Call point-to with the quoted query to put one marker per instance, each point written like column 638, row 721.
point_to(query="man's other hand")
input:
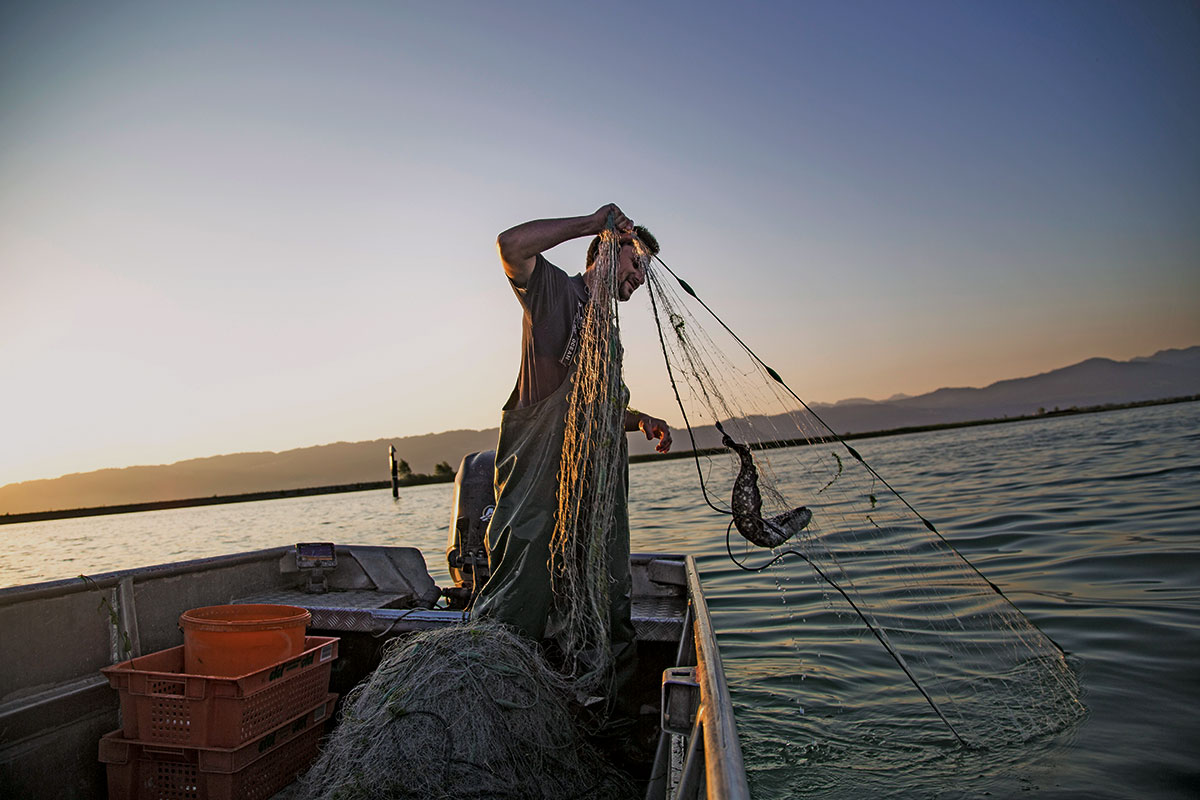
column 655, row 428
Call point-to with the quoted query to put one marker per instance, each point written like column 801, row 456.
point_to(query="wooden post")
column 395, row 479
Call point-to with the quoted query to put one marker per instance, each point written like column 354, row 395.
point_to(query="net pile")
column 591, row 471
column 470, row 711
column 982, row 666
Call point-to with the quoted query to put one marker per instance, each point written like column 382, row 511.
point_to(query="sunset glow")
column 265, row 226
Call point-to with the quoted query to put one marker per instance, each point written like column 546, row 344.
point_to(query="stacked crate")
column 199, row 737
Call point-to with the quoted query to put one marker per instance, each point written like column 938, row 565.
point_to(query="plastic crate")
column 254, row 771
column 160, row 703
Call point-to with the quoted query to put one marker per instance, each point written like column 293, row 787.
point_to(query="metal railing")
column 696, row 692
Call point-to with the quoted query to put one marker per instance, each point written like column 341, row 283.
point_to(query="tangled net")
column 982, row 666
column 469, row 711
column 592, row 468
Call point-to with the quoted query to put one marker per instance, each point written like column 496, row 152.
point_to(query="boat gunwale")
column 724, row 766
column 61, row 587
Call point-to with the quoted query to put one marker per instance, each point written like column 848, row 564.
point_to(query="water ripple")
column 1090, row 524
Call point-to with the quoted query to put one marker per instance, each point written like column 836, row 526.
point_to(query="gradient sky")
column 232, row 226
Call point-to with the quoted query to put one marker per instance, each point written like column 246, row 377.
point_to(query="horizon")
column 249, row 229
column 822, row 404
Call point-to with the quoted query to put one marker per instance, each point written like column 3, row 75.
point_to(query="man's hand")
column 653, row 427
column 622, row 223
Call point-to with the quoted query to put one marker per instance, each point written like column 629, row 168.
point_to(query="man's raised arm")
column 519, row 246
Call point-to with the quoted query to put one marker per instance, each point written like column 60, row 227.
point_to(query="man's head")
column 632, row 260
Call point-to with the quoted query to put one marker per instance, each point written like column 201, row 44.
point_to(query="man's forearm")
column 526, row 240
column 519, row 246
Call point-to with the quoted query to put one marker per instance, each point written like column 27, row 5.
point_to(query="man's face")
column 631, row 269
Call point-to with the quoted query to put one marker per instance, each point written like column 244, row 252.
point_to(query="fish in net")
column 467, row 711
column 746, row 504
column 791, row 485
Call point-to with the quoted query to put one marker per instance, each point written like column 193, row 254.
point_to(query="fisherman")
column 532, row 426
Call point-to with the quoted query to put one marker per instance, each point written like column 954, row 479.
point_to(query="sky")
column 241, row 226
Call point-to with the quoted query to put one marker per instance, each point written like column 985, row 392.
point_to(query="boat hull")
column 55, row 706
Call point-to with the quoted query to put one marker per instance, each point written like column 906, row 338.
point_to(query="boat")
column 55, row 705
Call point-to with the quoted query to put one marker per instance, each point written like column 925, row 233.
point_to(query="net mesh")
column 475, row 710
column 466, row 711
column 982, row 666
column 591, row 471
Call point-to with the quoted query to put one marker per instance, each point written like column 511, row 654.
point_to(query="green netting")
column 469, row 711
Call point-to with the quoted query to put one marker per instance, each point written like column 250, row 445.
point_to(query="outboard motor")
column 466, row 549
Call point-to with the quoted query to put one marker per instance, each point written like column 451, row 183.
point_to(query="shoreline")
column 938, row 426
column 248, row 497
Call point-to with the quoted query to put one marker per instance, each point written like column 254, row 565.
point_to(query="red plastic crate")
column 162, row 704
column 254, row 771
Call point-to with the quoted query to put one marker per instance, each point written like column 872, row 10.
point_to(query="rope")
column 990, row 674
column 679, row 401
column 853, row 453
column 879, row 634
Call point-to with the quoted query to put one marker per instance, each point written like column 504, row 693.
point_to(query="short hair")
column 640, row 231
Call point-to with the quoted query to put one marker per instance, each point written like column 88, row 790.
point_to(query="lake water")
column 1090, row 524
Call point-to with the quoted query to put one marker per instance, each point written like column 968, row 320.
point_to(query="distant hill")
column 323, row 465
column 1097, row 381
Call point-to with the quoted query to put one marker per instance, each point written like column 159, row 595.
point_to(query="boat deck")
column 55, row 705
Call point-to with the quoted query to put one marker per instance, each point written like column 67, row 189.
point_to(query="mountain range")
column 1096, row 381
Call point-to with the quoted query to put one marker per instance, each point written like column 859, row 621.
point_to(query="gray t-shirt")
column 552, row 301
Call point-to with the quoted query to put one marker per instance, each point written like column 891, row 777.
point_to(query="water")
column 1091, row 524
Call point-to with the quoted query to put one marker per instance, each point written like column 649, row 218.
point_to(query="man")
column 519, row 591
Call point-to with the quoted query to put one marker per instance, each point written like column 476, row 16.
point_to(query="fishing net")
column 474, row 711
column 469, row 711
column 590, row 479
column 792, row 486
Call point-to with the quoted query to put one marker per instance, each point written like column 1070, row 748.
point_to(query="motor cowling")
column 466, row 547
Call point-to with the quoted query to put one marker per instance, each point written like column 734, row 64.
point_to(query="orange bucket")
column 229, row 641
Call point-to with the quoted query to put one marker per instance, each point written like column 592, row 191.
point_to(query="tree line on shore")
column 442, row 472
